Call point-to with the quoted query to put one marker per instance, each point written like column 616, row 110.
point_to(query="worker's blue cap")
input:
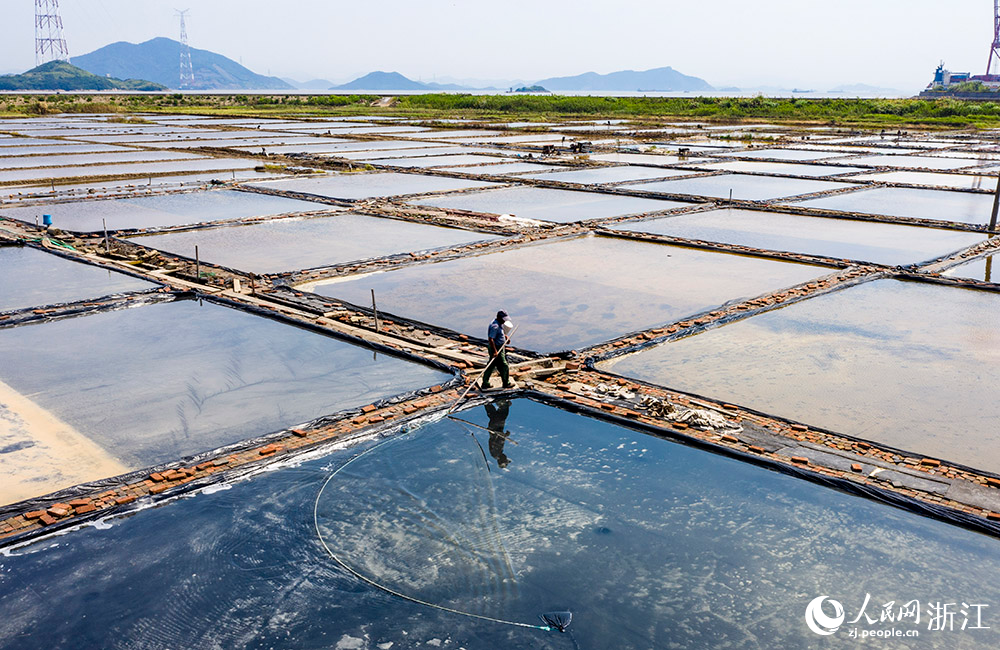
column 501, row 315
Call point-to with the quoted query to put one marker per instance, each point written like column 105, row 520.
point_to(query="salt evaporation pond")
column 959, row 181
column 293, row 244
column 648, row 543
column 646, row 159
column 743, row 186
column 161, row 210
column 174, row 166
column 56, row 148
column 365, row 186
column 570, row 294
column 790, row 169
column 784, row 154
column 964, row 207
column 437, row 161
column 28, row 162
column 546, row 204
column 34, row 278
column 986, row 269
column 504, row 168
column 618, row 174
column 156, row 383
column 881, row 243
column 910, row 365
column 914, row 162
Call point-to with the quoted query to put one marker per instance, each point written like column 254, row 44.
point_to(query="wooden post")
column 197, row 265
column 996, row 204
column 375, row 310
column 107, row 244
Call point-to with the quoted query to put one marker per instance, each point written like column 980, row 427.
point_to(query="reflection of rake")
column 505, row 434
column 481, row 372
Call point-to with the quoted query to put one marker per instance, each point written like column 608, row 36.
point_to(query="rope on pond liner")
column 388, row 590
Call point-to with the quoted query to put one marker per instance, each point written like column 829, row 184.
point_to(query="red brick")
column 270, row 449
column 728, row 438
column 993, row 515
column 856, row 467
column 930, row 462
column 376, row 419
column 46, row 520
column 76, row 503
column 436, row 389
column 219, row 462
column 82, row 510
column 359, row 420
column 680, row 425
column 299, row 432
column 34, row 514
column 156, row 489
column 799, row 427
column 572, row 365
column 731, row 407
column 757, row 450
column 992, row 482
column 204, row 466
column 801, row 460
column 57, row 511
column 409, row 410
column 123, row 500
column 368, row 409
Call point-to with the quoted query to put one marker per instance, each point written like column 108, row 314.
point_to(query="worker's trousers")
column 499, row 363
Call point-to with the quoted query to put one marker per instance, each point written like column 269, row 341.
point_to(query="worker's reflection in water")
column 497, row 412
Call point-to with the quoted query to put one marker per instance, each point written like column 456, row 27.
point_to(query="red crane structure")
column 995, row 48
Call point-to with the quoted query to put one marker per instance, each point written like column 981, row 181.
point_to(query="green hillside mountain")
column 60, row 75
column 657, row 79
column 159, row 60
column 380, row 80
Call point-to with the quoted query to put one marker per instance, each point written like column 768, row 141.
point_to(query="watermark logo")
column 819, row 622
column 895, row 618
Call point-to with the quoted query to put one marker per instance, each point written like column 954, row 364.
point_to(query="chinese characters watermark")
column 894, row 620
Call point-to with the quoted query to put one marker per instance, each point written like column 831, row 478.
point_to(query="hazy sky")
column 800, row 43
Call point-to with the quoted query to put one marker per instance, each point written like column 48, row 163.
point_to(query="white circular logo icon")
column 819, row 622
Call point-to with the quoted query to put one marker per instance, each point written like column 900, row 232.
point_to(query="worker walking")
column 498, row 338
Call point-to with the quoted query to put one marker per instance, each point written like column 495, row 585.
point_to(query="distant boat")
column 799, row 90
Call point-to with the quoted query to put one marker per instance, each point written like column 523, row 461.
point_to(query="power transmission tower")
column 187, row 72
column 49, row 42
column 995, row 48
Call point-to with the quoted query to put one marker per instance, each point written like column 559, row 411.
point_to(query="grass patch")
column 944, row 113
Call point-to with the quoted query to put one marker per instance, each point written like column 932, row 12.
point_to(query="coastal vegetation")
column 869, row 113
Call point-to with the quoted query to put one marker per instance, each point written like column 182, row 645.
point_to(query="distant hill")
column 393, row 81
column 60, row 75
column 652, row 80
column 159, row 60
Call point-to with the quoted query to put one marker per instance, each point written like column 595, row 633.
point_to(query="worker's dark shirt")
column 496, row 334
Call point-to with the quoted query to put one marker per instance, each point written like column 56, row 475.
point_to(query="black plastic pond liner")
column 63, row 310
column 267, row 313
column 888, row 497
column 85, row 489
column 317, row 304
column 590, row 362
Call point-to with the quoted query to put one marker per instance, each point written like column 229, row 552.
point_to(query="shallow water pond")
column 648, row 543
